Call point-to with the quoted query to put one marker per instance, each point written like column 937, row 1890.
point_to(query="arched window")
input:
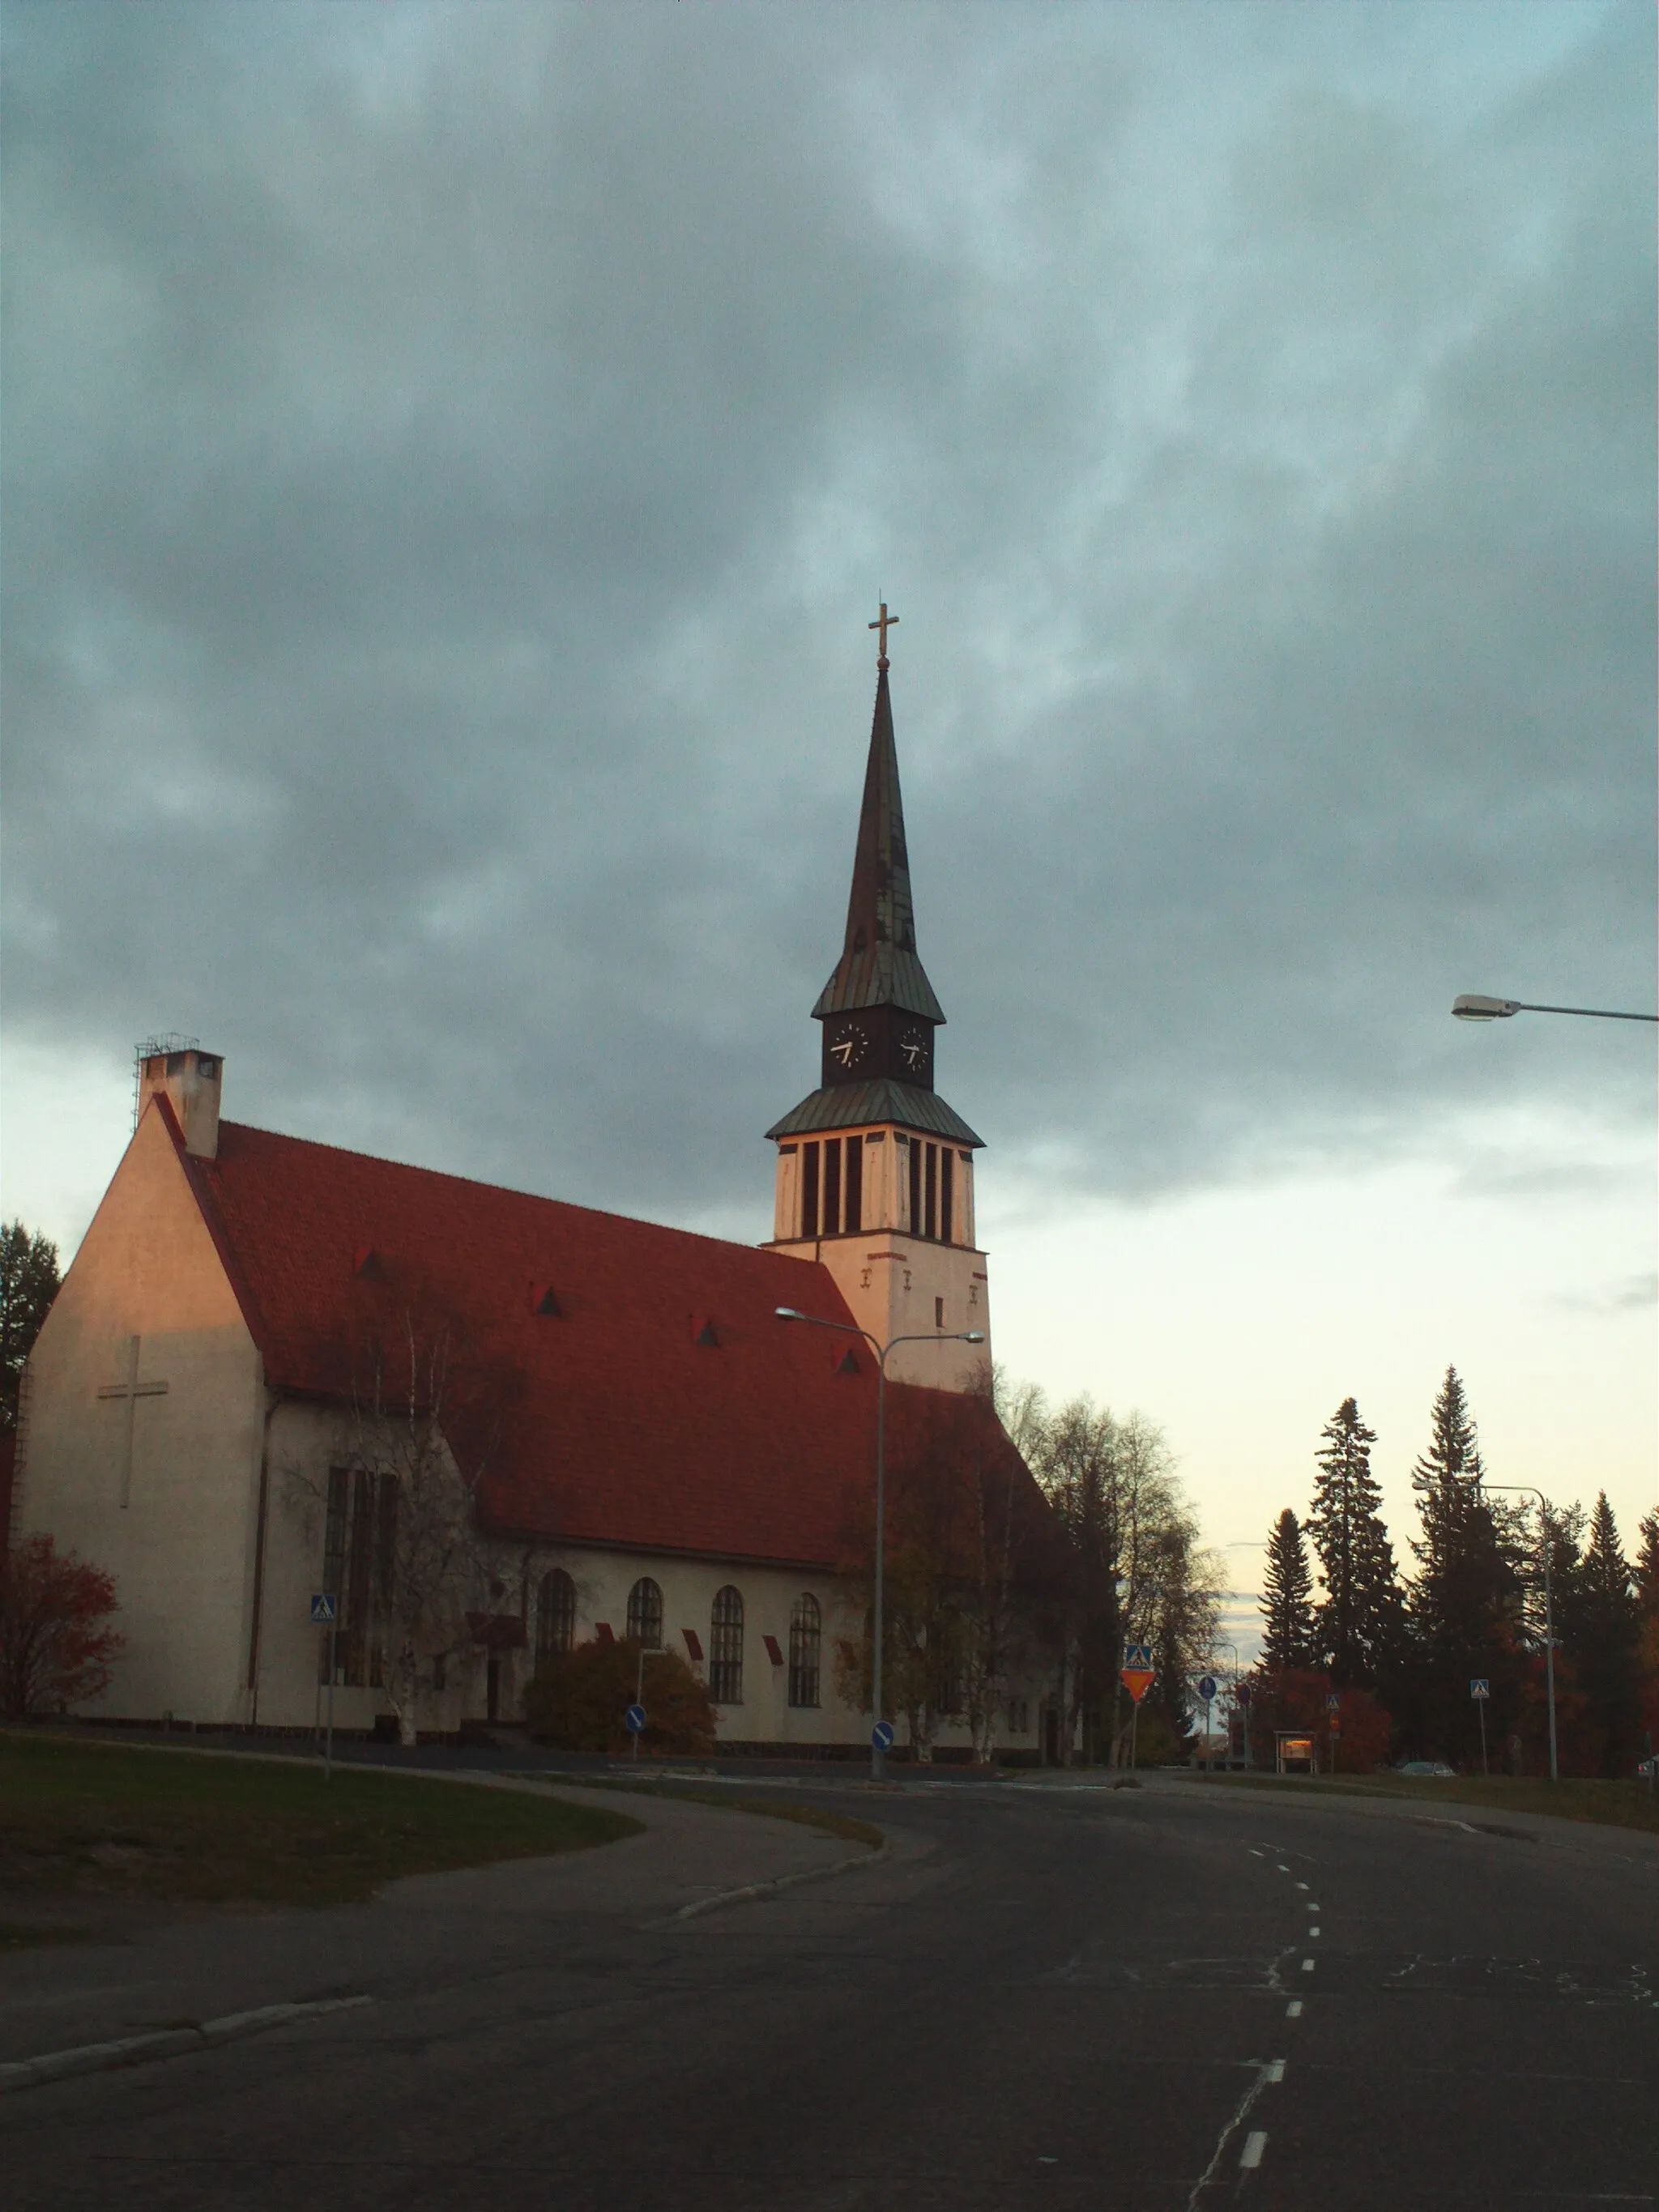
column 726, row 1648
column 806, row 1638
column 645, row 1614
column 556, row 1615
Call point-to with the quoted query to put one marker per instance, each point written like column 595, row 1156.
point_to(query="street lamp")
column 1549, row 1609
column 1222, row 1643
column 881, row 1350
column 1471, row 1006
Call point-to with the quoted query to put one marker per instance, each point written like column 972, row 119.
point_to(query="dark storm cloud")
column 451, row 453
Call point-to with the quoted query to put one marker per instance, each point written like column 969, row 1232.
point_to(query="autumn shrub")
column 56, row 1647
column 577, row 1701
column 1294, row 1697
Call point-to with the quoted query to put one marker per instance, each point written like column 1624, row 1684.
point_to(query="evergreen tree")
column 29, row 1284
column 1358, row 1623
column 1647, row 1600
column 1287, row 1598
column 1601, row 1629
column 1466, row 1603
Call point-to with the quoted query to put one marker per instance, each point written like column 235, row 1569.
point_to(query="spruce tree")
column 1358, row 1621
column 1466, row 1601
column 1605, row 1623
column 1287, row 1598
column 1647, row 1601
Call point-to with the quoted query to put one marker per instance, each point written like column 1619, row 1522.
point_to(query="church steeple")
column 878, row 964
column 875, row 1172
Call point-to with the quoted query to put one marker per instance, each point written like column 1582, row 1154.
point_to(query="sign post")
column 326, row 1613
column 1136, row 1675
column 1241, row 1699
column 1207, row 1689
column 1481, row 1690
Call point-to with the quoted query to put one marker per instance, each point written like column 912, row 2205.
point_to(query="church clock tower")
column 875, row 1172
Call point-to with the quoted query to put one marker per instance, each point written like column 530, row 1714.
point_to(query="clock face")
column 913, row 1045
column 850, row 1046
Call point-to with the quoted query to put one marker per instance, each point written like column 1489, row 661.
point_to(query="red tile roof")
column 620, row 1424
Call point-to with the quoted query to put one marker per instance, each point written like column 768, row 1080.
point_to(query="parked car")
column 1426, row 1767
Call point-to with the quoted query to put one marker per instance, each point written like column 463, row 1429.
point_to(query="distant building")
column 655, row 1453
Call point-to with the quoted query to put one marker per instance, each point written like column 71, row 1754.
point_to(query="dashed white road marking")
column 1302, row 1884
column 1293, row 2010
column 1284, row 1870
column 1255, row 2144
column 1307, row 1965
column 1266, row 2070
column 1312, row 1932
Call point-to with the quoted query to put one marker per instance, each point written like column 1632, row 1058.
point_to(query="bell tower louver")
column 875, row 1171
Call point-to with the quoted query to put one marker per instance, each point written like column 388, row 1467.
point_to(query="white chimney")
column 191, row 1078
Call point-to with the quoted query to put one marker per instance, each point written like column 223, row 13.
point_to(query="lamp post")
column 1526, row 1490
column 1473, row 1006
column 1223, row 1644
column 881, row 1350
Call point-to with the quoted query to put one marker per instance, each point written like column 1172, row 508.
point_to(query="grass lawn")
column 103, row 1821
column 1616, row 1804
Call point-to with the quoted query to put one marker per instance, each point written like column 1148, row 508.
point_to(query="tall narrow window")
column 832, row 1186
column 931, row 1202
column 946, row 1192
column 915, row 1188
column 645, row 1614
column 805, row 1641
column 854, row 1198
column 726, row 1648
column 556, row 1615
column 809, row 1190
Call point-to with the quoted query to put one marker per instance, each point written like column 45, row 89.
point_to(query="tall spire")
column 879, row 965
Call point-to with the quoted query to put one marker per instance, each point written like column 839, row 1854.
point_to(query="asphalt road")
column 1175, row 1997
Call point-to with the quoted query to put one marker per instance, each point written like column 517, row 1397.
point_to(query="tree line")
column 1403, row 1648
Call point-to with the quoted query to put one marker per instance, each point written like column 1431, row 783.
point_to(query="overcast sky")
column 452, row 454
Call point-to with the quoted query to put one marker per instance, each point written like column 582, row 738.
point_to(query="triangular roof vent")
column 368, row 1265
column 544, row 1301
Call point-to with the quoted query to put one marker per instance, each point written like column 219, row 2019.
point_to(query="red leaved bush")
column 1294, row 1697
column 55, row 1649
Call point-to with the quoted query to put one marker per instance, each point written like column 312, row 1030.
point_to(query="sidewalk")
column 178, row 1966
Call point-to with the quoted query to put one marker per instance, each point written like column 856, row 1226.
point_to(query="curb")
column 165, row 2043
column 751, row 1890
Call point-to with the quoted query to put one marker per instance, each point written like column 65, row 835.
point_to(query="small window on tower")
column 931, row 1202
column 915, row 1190
column 809, row 1190
column 938, row 1313
column 854, row 1210
column 832, row 1186
column 946, row 1191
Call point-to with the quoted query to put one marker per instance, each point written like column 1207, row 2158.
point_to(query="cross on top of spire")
column 884, row 622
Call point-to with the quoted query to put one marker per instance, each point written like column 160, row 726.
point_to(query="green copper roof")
column 879, row 965
column 855, row 1105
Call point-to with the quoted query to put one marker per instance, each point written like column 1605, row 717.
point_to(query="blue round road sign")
column 881, row 1736
column 1207, row 1689
column 633, row 1720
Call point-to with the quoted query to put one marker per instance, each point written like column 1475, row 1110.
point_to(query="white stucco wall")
column 181, row 1548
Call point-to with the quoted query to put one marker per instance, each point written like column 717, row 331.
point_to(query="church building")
column 263, row 1340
